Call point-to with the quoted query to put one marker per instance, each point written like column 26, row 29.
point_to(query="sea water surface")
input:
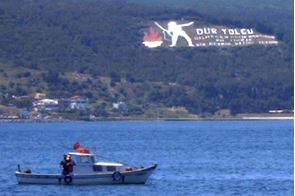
column 194, row 158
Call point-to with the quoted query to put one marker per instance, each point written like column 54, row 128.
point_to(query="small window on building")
column 111, row 168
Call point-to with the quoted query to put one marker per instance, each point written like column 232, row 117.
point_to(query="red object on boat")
column 129, row 169
column 76, row 145
column 84, row 150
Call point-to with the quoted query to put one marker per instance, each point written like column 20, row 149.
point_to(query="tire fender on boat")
column 68, row 179
column 117, row 176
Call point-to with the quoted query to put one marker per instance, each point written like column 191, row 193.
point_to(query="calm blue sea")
column 194, row 158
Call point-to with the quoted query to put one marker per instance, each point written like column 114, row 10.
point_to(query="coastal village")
column 46, row 109
column 43, row 107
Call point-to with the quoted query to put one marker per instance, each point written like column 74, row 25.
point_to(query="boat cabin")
column 86, row 164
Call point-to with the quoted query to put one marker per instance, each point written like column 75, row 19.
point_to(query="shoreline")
column 242, row 118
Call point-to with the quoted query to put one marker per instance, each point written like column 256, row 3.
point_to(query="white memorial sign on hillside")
column 182, row 33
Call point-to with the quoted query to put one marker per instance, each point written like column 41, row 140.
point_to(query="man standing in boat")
column 67, row 165
column 63, row 165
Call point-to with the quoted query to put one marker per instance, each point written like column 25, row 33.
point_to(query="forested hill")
column 44, row 41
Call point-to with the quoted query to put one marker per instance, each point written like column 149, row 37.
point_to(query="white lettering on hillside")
column 183, row 33
column 221, row 36
column 224, row 31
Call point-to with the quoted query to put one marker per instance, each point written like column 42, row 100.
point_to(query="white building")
column 121, row 106
column 79, row 103
column 46, row 104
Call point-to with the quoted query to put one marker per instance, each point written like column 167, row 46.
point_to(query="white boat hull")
column 139, row 176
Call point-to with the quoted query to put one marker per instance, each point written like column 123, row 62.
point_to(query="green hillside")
column 94, row 49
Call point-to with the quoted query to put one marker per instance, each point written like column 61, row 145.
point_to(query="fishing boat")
column 88, row 171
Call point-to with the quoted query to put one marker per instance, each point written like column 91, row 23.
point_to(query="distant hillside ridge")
column 45, row 43
column 287, row 5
